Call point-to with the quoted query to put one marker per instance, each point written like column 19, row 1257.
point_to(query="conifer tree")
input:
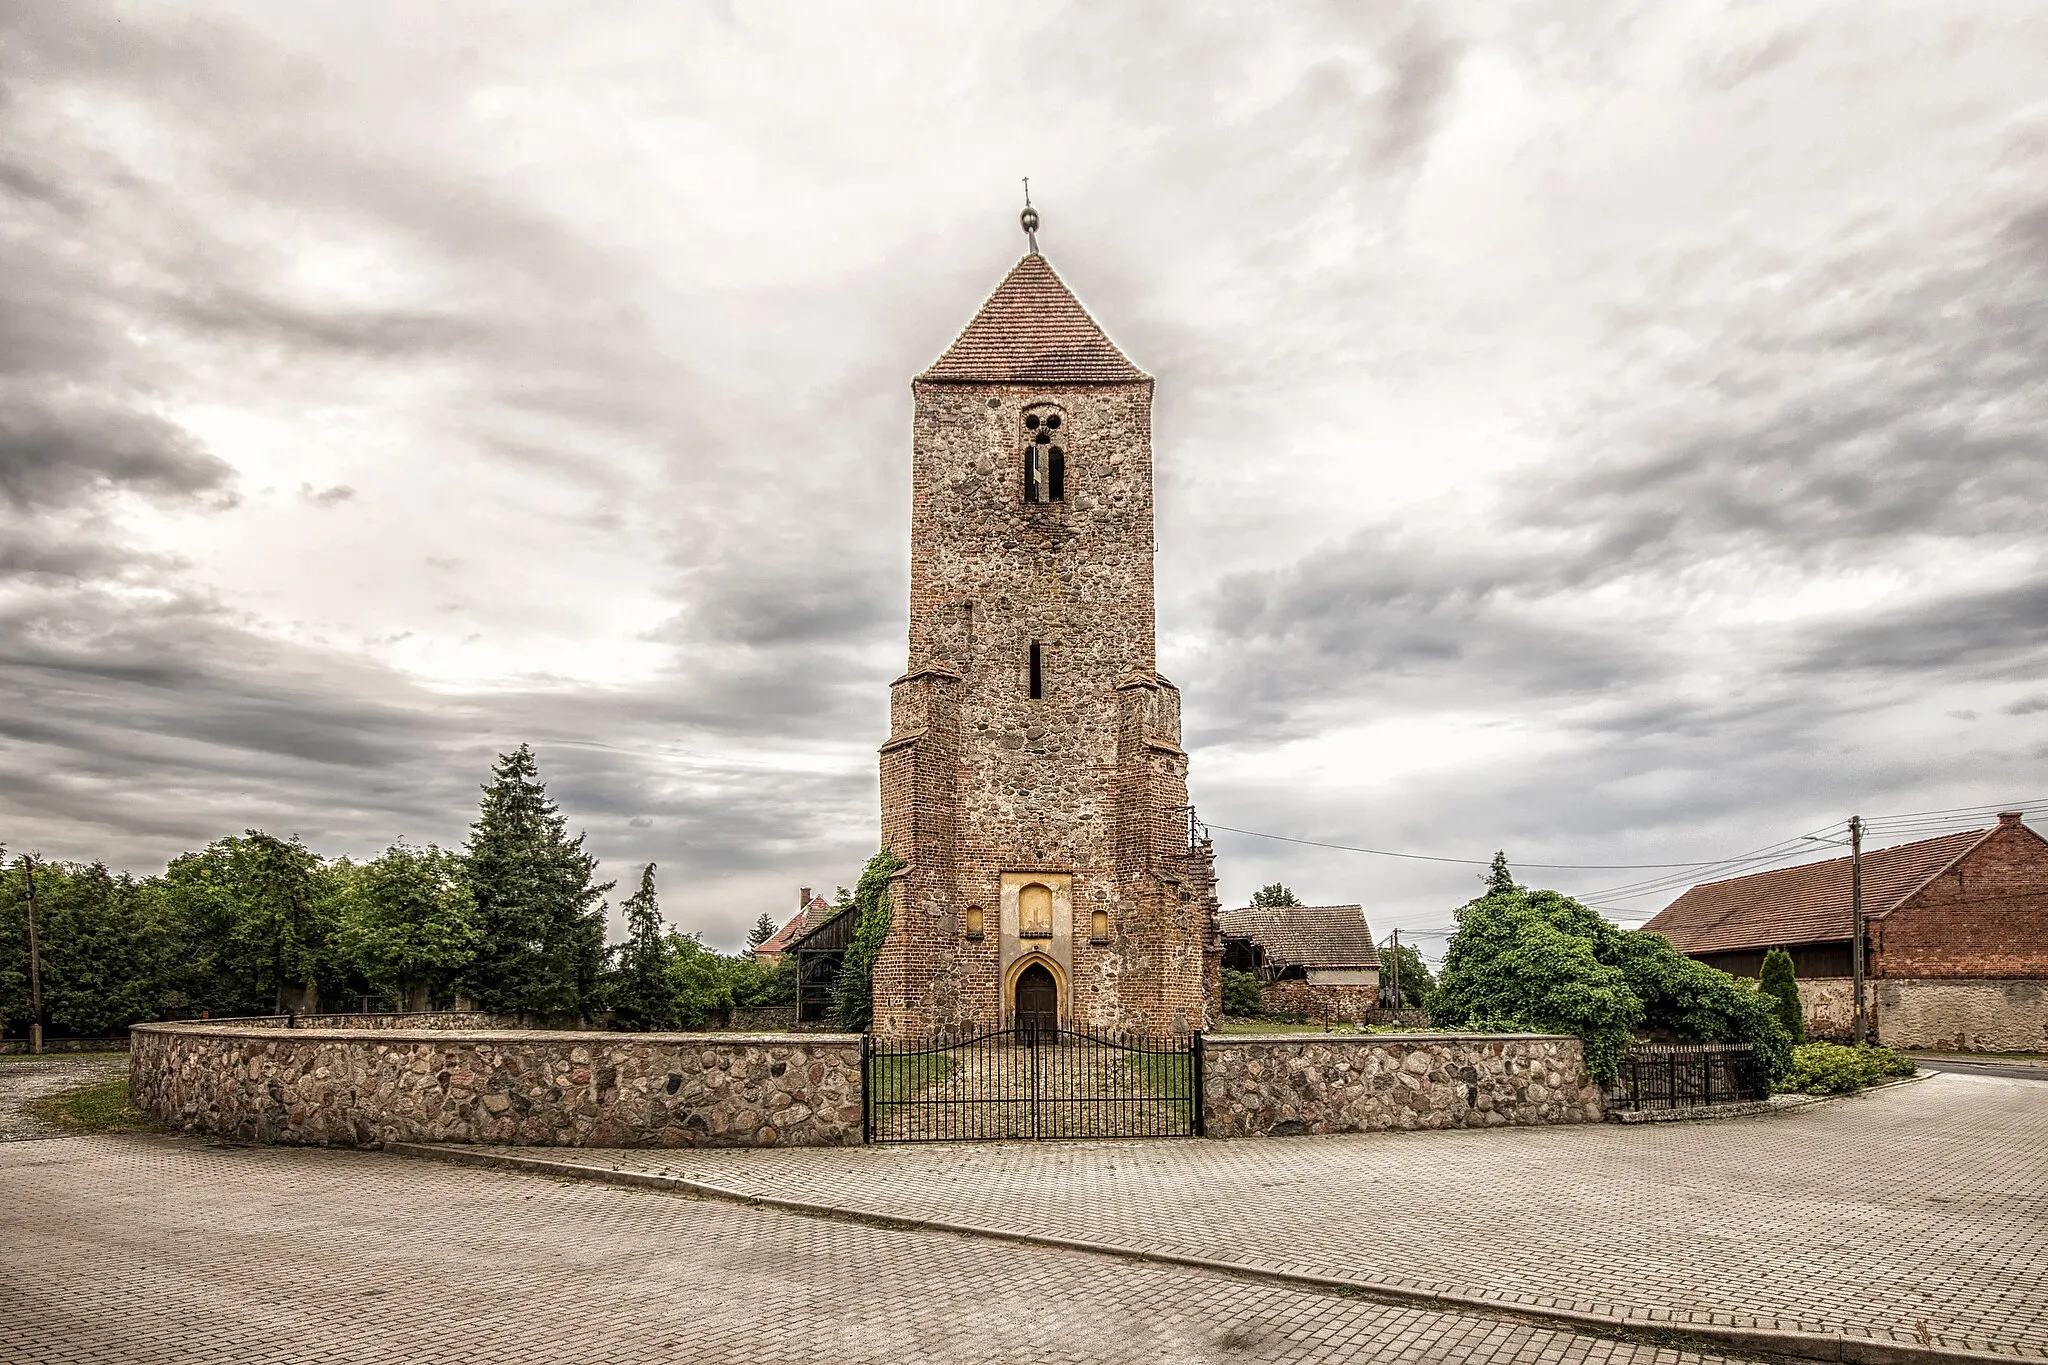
column 1778, row 982
column 642, row 997
column 763, row 930
column 1499, row 880
column 539, row 911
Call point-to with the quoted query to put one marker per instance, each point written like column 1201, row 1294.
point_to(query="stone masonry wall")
column 1350, row 1004
column 1087, row 782
column 1962, row 1014
column 1276, row 1085
column 364, row 1087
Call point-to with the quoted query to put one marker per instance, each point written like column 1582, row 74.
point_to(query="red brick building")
column 1033, row 781
column 1956, row 937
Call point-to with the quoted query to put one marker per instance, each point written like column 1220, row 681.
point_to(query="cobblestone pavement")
column 30, row 1078
column 167, row 1250
column 1915, row 1213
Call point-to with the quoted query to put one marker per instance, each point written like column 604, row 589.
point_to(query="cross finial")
column 1029, row 218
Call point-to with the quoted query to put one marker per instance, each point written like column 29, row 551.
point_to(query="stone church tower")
column 1033, row 782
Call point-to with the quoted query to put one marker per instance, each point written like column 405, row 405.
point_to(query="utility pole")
column 35, row 964
column 1856, row 921
column 1397, row 969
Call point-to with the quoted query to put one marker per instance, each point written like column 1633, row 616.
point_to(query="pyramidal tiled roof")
column 1033, row 330
column 1804, row 904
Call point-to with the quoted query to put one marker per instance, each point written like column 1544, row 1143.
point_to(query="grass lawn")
column 1163, row 1075
column 59, row 1056
column 1236, row 1026
column 899, row 1078
column 101, row 1108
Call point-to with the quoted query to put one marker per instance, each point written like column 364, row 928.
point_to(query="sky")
column 1611, row 435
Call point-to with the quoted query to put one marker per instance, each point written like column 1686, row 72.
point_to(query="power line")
column 1463, row 862
column 1676, row 875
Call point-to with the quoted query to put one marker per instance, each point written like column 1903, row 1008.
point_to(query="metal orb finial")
column 1028, row 219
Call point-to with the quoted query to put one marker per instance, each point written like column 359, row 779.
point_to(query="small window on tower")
column 1045, row 464
column 973, row 921
column 1037, row 668
column 1098, row 927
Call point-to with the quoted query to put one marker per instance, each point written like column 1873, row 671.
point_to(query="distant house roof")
column 815, row 913
column 1033, row 330
column 1809, row 903
column 1304, row 935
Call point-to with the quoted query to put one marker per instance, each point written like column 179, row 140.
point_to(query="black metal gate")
column 1681, row 1075
column 1031, row 1083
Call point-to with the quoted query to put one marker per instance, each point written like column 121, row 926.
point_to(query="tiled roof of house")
column 1804, row 904
column 801, row 923
column 1033, row 330
column 1305, row 935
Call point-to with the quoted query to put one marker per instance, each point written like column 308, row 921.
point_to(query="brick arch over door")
column 1016, row 973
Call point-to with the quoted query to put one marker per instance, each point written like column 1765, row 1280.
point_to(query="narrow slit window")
column 1031, row 484
column 1037, row 671
column 1056, row 475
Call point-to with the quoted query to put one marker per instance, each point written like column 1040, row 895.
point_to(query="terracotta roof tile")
column 1033, row 330
column 802, row 922
column 1804, row 904
column 1305, row 935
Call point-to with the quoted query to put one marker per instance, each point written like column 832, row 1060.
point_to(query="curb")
column 1761, row 1341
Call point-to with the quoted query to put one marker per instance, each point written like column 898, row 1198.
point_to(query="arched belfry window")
column 1034, row 911
column 1045, row 456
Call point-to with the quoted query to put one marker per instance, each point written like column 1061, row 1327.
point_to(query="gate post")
column 1200, row 1096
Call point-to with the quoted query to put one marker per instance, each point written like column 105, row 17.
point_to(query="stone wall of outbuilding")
column 1284, row 1085
column 1962, row 1014
column 367, row 1086
column 1320, row 1001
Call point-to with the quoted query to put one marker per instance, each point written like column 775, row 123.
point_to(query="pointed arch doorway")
column 1037, row 1003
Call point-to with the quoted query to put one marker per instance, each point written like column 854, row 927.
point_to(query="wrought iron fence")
column 1032, row 1083
column 1681, row 1075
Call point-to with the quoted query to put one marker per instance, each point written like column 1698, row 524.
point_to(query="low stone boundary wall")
column 1285, row 1085
column 423, row 1019
column 259, row 1082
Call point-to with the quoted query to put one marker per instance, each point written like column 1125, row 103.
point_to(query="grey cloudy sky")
column 1611, row 434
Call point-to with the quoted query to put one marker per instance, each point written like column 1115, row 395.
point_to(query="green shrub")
column 1779, row 983
column 1519, row 959
column 1541, row 962
column 1240, row 994
column 1831, row 1069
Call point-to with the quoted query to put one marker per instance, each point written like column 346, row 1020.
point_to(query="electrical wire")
column 1928, row 823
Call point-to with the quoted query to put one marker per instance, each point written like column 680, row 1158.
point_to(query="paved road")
column 28, row 1078
column 2015, row 1071
column 1915, row 1213
column 167, row 1250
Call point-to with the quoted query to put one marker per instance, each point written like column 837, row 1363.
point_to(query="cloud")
column 1561, row 446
